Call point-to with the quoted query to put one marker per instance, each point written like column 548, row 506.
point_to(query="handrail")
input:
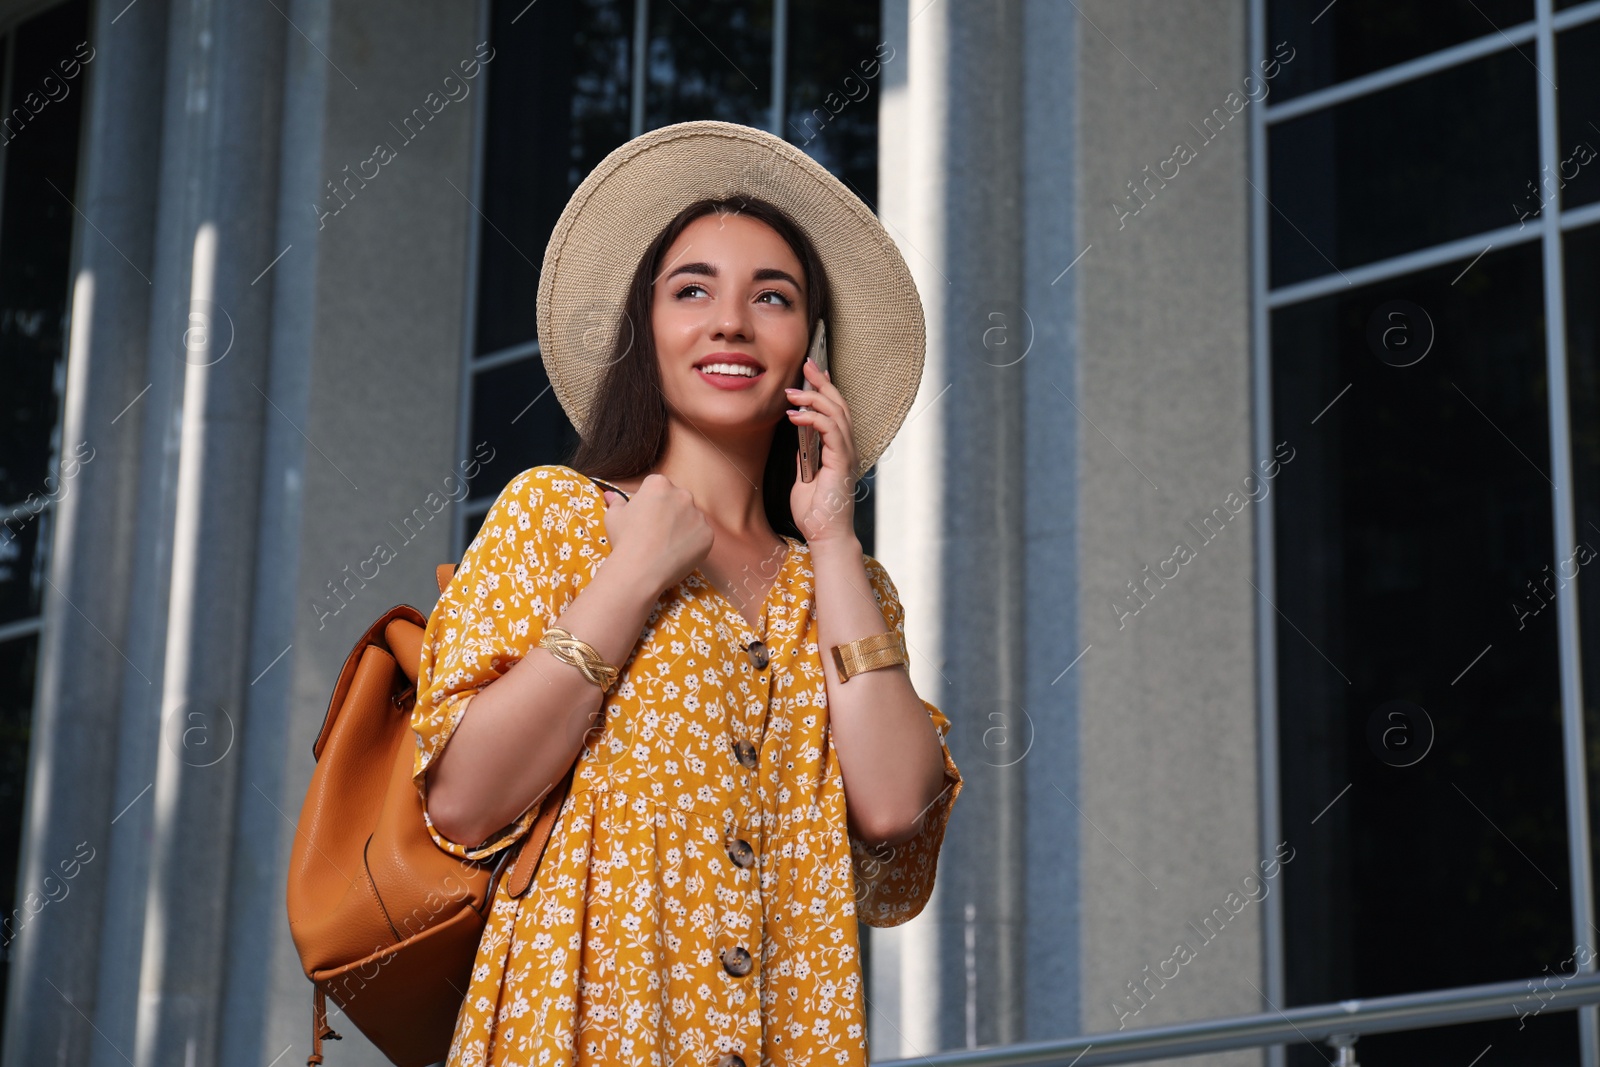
column 1344, row 1020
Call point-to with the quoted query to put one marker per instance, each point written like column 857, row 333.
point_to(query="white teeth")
column 744, row 370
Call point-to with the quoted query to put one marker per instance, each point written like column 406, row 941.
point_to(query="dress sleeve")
column 893, row 882
column 498, row 603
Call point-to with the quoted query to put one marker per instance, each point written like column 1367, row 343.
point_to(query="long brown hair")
column 628, row 423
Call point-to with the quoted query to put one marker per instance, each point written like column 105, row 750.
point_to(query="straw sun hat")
column 876, row 332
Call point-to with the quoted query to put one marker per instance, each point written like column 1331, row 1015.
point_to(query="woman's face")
column 730, row 291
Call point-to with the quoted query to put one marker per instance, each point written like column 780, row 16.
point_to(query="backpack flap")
column 352, row 662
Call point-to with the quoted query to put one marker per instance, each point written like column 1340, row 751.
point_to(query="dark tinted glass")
column 515, row 413
column 21, row 562
column 17, row 660
column 1334, row 42
column 836, row 64
column 1582, row 254
column 41, row 155
column 558, row 102
column 475, row 523
column 41, row 162
column 1430, row 845
column 1423, row 162
column 711, row 60
column 1577, row 175
column 867, row 512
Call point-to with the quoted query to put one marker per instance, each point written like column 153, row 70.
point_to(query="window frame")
column 1548, row 229
column 471, row 365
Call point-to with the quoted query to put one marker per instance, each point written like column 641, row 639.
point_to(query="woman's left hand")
column 825, row 507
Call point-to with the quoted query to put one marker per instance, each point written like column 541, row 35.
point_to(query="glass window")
column 475, row 519
column 558, row 102
column 516, row 412
column 836, row 73
column 1337, row 41
column 22, row 563
column 41, row 80
column 40, row 138
column 1419, row 651
column 18, row 659
column 562, row 88
column 1421, row 163
column 711, row 60
column 1582, row 254
column 1419, row 698
column 1578, row 142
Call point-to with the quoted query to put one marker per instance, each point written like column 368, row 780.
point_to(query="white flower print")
column 614, row 954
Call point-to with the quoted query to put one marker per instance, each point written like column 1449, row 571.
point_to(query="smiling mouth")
column 730, row 370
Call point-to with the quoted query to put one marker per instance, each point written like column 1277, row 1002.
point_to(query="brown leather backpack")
column 386, row 922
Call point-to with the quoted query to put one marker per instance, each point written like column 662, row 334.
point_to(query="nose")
column 731, row 322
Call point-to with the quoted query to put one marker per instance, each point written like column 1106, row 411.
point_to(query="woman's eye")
column 685, row 289
column 773, row 292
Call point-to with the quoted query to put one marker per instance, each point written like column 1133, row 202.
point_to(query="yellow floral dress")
column 698, row 900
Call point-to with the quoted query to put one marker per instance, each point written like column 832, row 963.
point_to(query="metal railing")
column 1338, row 1024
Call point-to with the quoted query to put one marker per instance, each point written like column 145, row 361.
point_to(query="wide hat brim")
column 877, row 335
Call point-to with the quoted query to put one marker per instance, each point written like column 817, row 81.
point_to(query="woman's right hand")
column 659, row 531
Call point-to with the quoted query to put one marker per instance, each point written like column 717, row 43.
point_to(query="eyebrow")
column 761, row 275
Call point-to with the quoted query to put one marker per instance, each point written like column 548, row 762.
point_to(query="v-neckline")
column 758, row 629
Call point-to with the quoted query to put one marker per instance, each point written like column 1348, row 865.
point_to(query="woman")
column 740, row 800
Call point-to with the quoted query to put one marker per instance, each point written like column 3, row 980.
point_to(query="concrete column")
column 370, row 325
column 263, row 821
column 87, row 663
column 1107, row 365
column 1168, row 723
column 211, row 335
column 1044, row 741
column 950, row 507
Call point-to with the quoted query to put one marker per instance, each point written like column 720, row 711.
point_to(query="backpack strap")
column 623, row 493
column 538, row 837
column 319, row 1027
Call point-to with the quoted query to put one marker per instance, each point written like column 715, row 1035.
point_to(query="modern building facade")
column 1241, row 521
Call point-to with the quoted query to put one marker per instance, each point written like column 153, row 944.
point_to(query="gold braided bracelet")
column 580, row 654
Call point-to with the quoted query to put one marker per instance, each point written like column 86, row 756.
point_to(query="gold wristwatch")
column 868, row 654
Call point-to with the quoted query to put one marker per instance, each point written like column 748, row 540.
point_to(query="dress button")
column 758, row 654
column 732, row 1059
column 736, row 961
column 746, row 753
column 741, row 853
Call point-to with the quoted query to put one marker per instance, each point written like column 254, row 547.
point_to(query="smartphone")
column 810, row 439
